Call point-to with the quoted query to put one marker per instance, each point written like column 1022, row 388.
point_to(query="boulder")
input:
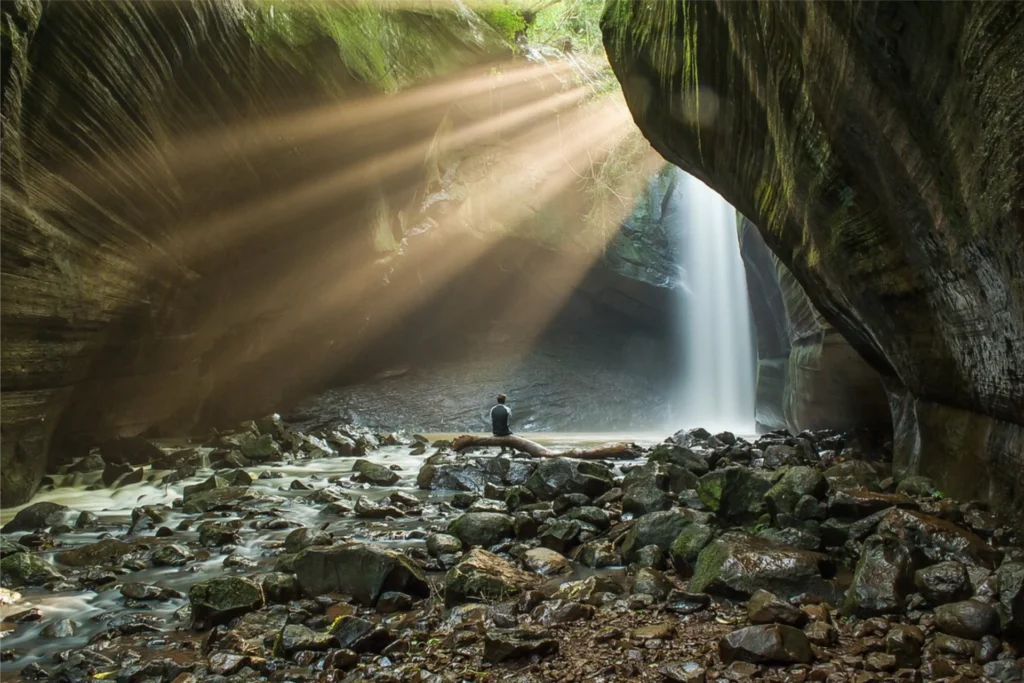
column 555, row 476
column 107, row 551
column 652, row 582
column 971, row 619
column 659, row 528
column 35, row 516
column 221, row 498
column 767, row 608
column 546, row 562
column 278, row 587
column 1011, row 594
column 10, row 547
column 680, row 456
column 218, row 601
column 89, row 463
column 738, row 565
column 481, row 575
column 305, row 537
column 26, row 569
column 943, row 582
column 769, row 643
column 373, row 473
column 561, row 534
column 501, row 645
column 362, row 570
column 172, row 555
column 589, row 514
column 296, row 637
column 394, row 601
column 443, row 544
column 597, row 554
column 484, row 529
column 904, row 641
column 361, row 635
column 587, row 589
column 661, row 476
column 793, row 485
column 640, row 500
column 916, row 485
column 734, row 493
column 938, row 539
column 883, row 579
column 852, row 474
column 685, row 549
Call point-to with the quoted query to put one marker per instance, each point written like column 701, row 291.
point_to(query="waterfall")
column 716, row 383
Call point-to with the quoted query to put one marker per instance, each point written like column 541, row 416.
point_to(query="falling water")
column 716, row 388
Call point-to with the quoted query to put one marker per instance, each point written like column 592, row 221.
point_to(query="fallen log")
column 611, row 450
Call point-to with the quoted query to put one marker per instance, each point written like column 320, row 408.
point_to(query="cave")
column 749, row 273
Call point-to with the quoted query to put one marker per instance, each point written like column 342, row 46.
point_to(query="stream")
column 94, row 609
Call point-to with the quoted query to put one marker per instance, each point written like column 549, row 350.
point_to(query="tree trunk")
column 611, row 450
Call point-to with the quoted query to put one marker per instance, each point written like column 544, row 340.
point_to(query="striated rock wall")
column 808, row 376
column 877, row 147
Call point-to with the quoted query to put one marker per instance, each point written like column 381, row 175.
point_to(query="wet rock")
column 107, row 551
column 362, row 570
column 278, row 587
column 481, row 575
column 295, row 637
column 793, row 485
column 682, row 602
column 144, row 591
column 89, row 463
column 944, row 644
column 260, row 448
column 361, row 635
column 650, row 557
column 652, row 582
column 683, row 672
column 938, row 539
column 987, row 649
column 904, row 642
column 589, row 514
column 554, row 612
column 488, row 505
column 660, row 529
column 216, row 534
column 1011, row 594
column 852, row 474
column 393, row 601
column 61, row 628
column 172, row 555
column 735, row 493
column 859, row 503
column 369, row 509
column 883, row 578
column 484, row 529
column 86, row 519
column 218, row 601
column 660, row 475
column 738, row 565
column 916, row 485
column 120, row 474
column 822, row 634
column 517, row 496
column 555, row 476
column 372, row 473
column 222, row 498
column 26, row 569
column 546, row 562
column 597, row 554
column 561, row 534
column 35, row 516
column 341, row 660
column 1004, row 670
column 944, row 582
column 10, row 547
column 568, row 501
column 766, row 608
column 443, row 544
column 304, row 537
column 685, row 549
column 588, row 589
column 640, row 500
column 880, row 661
column 504, row 645
column 796, row 538
column 767, row 643
column 680, row 456
column 969, row 619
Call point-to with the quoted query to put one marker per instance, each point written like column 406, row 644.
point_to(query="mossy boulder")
column 735, row 493
column 795, row 483
column 107, row 551
column 659, row 529
column 685, row 550
column 555, row 476
column 26, row 569
column 362, row 570
column 218, row 601
column 482, row 528
column 36, row 516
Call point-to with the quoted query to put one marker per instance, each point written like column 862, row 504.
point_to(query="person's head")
column 502, row 398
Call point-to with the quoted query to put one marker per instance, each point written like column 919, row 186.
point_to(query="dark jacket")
column 500, row 415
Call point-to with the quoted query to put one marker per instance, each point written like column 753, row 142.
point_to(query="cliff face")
column 162, row 222
column 877, row 147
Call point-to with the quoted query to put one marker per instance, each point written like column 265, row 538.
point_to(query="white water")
column 716, row 389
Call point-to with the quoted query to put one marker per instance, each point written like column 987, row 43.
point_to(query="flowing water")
column 94, row 609
column 716, row 384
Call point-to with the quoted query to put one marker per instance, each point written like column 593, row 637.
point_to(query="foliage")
column 569, row 25
column 503, row 17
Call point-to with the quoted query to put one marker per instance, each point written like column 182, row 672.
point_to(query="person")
column 500, row 417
